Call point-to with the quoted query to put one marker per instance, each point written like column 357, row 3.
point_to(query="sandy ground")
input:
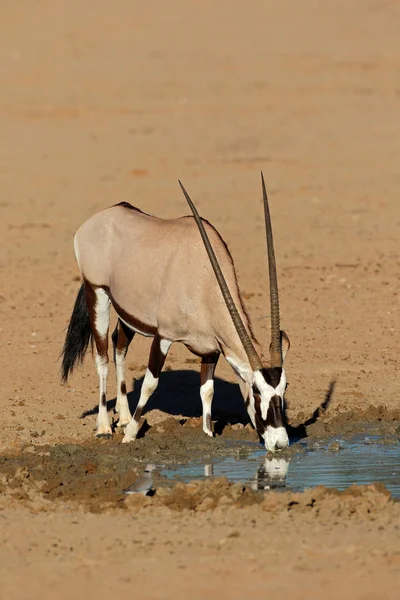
column 104, row 103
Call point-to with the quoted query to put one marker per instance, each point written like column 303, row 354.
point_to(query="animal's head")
column 271, row 475
column 267, row 401
column 268, row 384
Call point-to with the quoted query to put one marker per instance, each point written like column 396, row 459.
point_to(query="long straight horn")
column 276, row 344
column 254, row 359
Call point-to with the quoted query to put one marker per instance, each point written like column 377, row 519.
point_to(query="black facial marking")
column 260, row 423
column 272, row 375
column 275, row 414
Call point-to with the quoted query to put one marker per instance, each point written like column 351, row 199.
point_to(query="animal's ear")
column 285, row 344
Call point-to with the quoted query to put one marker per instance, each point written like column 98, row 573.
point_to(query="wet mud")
column 92, row 475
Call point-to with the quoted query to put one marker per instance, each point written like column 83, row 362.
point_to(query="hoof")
column 209, row 433
column 126, row 440
column 107, row 436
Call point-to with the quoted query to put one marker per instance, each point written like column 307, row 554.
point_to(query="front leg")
column 208, row 364
column 158, row 354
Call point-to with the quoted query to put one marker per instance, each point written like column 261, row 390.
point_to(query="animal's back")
column 156, row 269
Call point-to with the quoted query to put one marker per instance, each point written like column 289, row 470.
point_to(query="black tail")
column 79, row 335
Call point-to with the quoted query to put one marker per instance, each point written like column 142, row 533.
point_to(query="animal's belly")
column 189, row 327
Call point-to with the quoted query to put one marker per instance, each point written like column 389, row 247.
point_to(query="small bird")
column 143, row 484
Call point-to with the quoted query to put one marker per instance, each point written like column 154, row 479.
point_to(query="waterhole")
column 336, row 463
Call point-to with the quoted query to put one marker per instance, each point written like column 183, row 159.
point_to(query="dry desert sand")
column 105, row 102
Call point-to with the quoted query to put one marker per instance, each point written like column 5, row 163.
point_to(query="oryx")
column 157, row 275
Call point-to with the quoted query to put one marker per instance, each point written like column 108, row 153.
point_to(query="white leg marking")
column 122, row 406
column 206, row 394
column 102, row 311
column 149, row 386
column 165, row 345
column 103, row 422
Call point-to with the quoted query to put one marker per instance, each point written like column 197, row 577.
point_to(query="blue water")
column 360, row 460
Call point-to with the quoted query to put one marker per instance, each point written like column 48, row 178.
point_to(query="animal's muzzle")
column 276, row 438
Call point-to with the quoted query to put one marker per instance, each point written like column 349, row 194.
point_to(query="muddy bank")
column 169, row 437
column 102, row 495
column 98, row 470
column 363, row 502
column 93, row 474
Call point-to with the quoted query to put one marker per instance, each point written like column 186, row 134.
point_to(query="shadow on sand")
column 178, row 394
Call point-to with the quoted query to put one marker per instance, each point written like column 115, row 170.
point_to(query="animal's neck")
column 237, row 358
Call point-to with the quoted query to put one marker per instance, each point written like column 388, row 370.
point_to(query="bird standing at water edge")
column 143, row 484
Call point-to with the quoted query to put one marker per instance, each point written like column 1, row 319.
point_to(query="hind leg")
column 99, row 314
column 121, row 338
column 208, row 364
column 158, row 354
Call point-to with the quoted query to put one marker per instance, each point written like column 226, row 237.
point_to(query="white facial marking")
column 274, row 471
column 267, row 391
column 165, row 345
column 276, row 468
column 275, row 438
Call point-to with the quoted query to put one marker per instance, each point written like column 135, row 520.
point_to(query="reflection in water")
column 361, row 459
column 272, row 474
column 208, row 470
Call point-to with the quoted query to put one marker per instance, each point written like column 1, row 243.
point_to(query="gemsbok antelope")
column 158, row 277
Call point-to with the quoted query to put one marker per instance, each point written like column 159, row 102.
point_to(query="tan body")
column 158, row 272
